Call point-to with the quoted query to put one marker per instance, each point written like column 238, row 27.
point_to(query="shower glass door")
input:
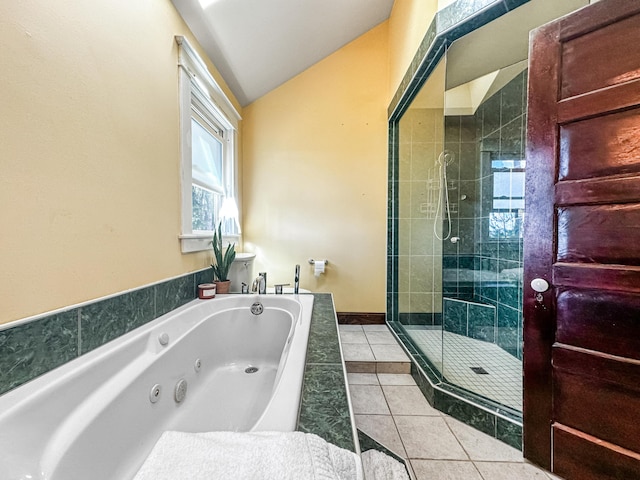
column 419, row 232
column 482, row 259
column 461, row 174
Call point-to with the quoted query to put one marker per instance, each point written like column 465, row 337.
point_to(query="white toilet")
column 241, row 271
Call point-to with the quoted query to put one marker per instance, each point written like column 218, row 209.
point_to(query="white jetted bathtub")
column 209, row 365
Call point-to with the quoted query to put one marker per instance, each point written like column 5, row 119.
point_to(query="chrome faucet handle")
column 262, row 282
column 255, row 286
column 296, row 280
column 278, row 287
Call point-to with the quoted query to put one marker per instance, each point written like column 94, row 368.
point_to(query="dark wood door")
column 582, row 235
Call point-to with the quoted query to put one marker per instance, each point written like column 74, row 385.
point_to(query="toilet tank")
column 241, row 271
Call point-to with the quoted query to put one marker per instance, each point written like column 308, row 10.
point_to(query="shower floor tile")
column 460, row 355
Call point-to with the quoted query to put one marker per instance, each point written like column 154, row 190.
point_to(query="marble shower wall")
column 485, row 266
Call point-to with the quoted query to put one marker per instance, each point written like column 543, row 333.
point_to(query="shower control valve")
column 455, row 239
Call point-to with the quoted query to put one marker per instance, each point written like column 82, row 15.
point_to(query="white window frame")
column 199, row 90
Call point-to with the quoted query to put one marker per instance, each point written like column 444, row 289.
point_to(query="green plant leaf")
column 224, row 261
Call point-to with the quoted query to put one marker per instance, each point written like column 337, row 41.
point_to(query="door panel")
column 582, row 234
column 607, row 190
column 598, row 233
column 581, row 393
column 604, row 277
column 598, row 320
column 595, row 51
column 586, row 458
column 597, row 102
column 600, row 146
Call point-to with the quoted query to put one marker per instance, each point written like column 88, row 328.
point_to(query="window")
column 507, row 212
column 208, row 128
column 207, row 182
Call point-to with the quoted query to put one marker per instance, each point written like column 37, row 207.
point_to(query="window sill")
column 199, row 242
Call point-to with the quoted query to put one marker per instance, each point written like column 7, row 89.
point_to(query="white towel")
column 250, row 456
column 380, row 466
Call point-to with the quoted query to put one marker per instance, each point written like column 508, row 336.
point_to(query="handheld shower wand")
column 445, row 158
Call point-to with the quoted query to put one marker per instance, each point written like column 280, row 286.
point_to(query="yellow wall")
column 315, row 175
column 89, row 151
column 89, row 156
column 408, row 24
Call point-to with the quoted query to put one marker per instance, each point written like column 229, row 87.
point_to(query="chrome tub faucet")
column 260, row 283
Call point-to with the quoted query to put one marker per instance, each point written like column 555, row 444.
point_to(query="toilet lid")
column 243, row 257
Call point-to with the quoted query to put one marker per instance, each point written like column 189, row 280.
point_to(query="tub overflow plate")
column 257, row 308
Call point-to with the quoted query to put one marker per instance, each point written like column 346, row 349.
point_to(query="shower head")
column 446, row 158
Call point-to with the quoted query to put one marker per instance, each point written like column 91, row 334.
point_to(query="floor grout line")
column 408, row 459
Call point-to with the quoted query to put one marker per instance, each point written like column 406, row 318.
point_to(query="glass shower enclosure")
column 460, row 213
column 461, row 208
column 457, row 209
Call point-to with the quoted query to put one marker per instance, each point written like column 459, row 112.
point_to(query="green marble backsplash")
column 30, row 349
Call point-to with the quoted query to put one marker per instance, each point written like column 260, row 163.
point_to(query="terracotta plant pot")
column 223, row 287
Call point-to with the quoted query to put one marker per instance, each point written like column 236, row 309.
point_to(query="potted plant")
column 222, row 263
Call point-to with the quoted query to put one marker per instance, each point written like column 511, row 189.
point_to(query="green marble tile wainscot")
column 465, row 412
column 104, row 321
column 455, row 317
column 481, row 322
column 204, row 276
column 509, row 432
column 36, row 347
column 323, row 337
column 324, row 408
column 513, row 4
column 509, row 323
column 174, row 293
column 31, row 349
column 423, row 384
column 460, row 11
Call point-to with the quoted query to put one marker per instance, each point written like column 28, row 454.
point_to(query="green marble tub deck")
column 324, row 409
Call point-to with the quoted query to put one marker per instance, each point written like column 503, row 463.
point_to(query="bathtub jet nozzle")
column 180, row 391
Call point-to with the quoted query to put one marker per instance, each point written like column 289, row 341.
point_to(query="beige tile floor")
column 390, row 408
column 372, row 349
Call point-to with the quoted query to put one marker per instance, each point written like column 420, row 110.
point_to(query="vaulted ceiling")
column 257, row 45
